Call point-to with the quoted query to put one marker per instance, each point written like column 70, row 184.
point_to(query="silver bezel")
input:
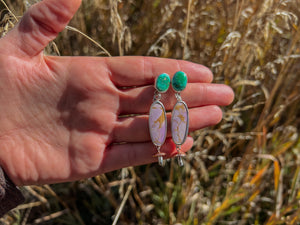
column 187, row 122
column 164, row 111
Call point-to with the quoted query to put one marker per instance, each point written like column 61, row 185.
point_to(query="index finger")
column 139, row 71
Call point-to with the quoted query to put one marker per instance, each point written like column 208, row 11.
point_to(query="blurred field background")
column 246, row 170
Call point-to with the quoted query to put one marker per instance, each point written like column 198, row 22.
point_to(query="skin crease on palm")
column 63, row 118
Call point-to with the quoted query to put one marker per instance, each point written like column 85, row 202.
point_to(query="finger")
column 137, row 71
column 40, row 25
column 133, row 154
column 136, row 129
column 138, row 100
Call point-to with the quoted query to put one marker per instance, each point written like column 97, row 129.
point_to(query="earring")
column 180, row 115
column 157, row 116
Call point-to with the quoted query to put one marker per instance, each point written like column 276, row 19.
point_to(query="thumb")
column 40, row 25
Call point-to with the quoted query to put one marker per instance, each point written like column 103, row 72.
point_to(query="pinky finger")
column 134, row 154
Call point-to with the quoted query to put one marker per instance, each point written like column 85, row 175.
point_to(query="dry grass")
column 246, row 170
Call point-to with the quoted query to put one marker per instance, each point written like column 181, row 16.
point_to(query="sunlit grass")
column 246, row 170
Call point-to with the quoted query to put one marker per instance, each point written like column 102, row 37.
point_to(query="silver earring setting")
column 179, row 120
column 180, row 115
column 157, row 116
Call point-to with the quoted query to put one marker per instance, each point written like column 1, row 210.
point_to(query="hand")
column 63, row 118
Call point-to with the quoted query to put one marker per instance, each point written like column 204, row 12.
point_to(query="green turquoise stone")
column 179, row 81
column 162, row 82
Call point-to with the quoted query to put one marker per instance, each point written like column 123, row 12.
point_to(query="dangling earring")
column 157, row 116
column 180, row 115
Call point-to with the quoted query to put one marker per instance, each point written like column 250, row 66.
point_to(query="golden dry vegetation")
column 246, row 170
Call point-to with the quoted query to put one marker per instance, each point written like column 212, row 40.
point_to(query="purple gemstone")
column 157, row 123
column 180, row 123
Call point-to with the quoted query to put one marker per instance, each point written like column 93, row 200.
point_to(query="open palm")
column 66, row 118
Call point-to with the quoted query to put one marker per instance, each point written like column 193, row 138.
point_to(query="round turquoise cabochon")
column 162, row 82
column 179, row 81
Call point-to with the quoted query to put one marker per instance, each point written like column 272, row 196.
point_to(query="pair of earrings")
column 179, row 120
